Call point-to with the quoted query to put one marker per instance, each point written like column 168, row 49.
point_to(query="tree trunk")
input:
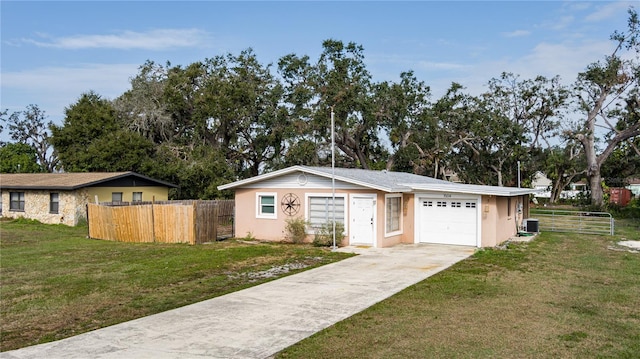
column 498, row 171
column 390, row 163
column 363, row 159
column 593, row 165
column 593, row 169
column 556, row 190
column 595, row 183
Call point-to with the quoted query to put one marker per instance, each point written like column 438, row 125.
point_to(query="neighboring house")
column 576, row 189
column 580, row 186
column 634, row 186
column 379, row 208
column 541, row 182
column 63, row 197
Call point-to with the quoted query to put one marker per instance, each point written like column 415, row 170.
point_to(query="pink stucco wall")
column 498, row 222
column 407, row 225
column 247, row 224
column 408, row 216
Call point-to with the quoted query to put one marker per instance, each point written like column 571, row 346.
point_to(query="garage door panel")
column 448, row 221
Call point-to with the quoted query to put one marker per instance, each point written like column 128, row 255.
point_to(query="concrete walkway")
column 260, row 321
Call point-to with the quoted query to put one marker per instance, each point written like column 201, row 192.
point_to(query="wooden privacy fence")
column 192, row 222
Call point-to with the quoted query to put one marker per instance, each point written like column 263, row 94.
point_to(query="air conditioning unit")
column 531, row 225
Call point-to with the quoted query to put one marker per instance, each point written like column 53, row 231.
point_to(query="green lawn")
column 55, row 283
column 560, row 296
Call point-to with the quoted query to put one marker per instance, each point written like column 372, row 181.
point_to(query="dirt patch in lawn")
column 634, row 245
column 277, row 270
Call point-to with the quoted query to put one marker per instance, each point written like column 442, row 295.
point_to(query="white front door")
column 362, row 220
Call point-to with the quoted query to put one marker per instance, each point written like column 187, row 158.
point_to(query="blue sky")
column 54, row 51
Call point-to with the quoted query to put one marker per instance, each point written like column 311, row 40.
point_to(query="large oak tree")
column 91, row 139
column 602, row 90
column 30, row 127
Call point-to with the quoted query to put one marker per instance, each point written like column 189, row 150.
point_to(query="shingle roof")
column 65, row 181
column 384, row 180
column 387, row 181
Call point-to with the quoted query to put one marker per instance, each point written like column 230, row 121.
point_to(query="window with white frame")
column 54, row 202
column 321, row 209
column 393, row 213
column 137, row 197
column 16, row 201
column 266, row 205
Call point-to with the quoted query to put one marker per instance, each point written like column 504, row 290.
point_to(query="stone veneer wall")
column 36, row 206
column 81, row 198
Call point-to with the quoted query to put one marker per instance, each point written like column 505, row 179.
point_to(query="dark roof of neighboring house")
column 387, row 181
column 67, row 181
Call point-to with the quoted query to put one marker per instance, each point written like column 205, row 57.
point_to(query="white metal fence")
column 574, row 221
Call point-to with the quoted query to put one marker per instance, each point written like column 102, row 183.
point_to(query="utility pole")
column 333, row 180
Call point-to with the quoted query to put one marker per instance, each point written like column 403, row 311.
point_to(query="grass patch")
column 628, row 228
column 561, row 296
column 55, row 283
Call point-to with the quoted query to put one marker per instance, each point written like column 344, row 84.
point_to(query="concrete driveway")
column 260, row 321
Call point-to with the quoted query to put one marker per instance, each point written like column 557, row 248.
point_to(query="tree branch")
column 619, row 137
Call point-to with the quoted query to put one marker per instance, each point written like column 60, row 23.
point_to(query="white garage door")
column 448, row 221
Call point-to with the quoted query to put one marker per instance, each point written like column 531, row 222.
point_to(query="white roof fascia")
column 472, row 189
column 304, row 169
column 259, row 178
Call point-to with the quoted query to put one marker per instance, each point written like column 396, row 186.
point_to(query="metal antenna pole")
column 333, row 180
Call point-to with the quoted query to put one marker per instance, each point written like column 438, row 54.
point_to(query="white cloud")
column 159, row 39
column 107, row 77
column 54, row 88
column 576, row 6
column 611, row 9
column 445, row 66
column 545, row 59
column 561, row 23
column 566, row 60
column 516, row 33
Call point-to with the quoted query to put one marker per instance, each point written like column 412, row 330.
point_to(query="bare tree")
column 602, row 90
column 30, row 127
